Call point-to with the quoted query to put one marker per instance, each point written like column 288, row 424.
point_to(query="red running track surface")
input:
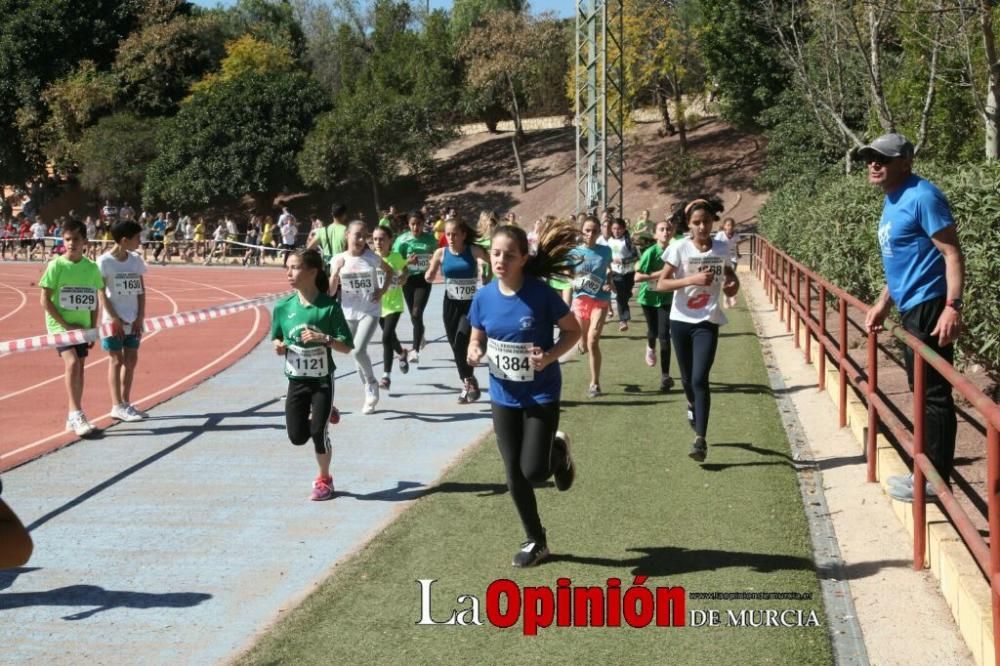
column 32, row 391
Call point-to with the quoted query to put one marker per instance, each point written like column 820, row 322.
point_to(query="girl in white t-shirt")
column 697, row 269
column 728, row 235
column 623, row 260
column 356, row 271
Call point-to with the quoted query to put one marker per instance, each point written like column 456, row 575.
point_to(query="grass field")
column 640, row 506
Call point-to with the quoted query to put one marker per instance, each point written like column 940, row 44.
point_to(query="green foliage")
column 740, row 58
column 42, row 41
column 158, row 64
column 467, row 14
column 829, row 224
column 239, row 136
column 248, row 55
column 113, row 155
column 271, row 21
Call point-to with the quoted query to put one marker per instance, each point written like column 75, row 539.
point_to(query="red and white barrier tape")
column 88, row 335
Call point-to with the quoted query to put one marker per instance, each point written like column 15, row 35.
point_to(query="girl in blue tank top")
column 459, row 261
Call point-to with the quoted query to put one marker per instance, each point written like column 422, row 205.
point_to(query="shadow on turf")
column 411, row 490
column 675, row 560
column 211, row 424
column 99, row 599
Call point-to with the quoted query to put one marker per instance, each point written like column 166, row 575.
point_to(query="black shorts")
column 82, row 350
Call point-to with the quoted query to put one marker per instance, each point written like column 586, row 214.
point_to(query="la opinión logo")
column 566, row 605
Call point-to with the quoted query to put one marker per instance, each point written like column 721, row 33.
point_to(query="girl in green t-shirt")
column 305, row 326
column 392, row 305
column 656, row 305
column 417, row 248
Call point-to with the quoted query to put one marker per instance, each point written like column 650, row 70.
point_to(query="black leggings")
column 456, row 327
column 623, row 283
column 695, row 345
column 658, row 328
column 524, row 437
column 307, row 412
column 390, row 342
column 416, row 292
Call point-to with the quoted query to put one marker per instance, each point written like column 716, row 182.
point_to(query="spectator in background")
column 924, row 272
column 289, row 229
column 109, row 214
column 126, row 212
column 38, row 232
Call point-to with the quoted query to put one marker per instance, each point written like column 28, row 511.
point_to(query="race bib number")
column 713, row 263
column 78, row 298
column 127, row 284
column 423, row 261
column 510, row 360
column 358, row 284
column 588, row 283
column 307, row 361
column 460, row 289
column 381, row 278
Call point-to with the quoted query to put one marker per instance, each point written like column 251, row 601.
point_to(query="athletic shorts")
column 82, row 349
column 584, row 306
column 115, row 344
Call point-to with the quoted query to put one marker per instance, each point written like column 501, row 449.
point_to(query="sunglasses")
column 881, row 160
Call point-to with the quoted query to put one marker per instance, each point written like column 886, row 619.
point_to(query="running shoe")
column 404, row 363
column 136, row 411
column 322, row 489
column 371, row 398
column 699, row 449
column 334, row 415
column 690, row 415
column 472, row 389
column 415, row 357
column 385, row 382
column 463, row 397
column 122, row 413
column 650, row 357
column 905, row 493
column 666, row 383
column 531, row 553
column 623, row 326
column 901, row 481
column 594, row 391
column 79, row 424
column 567, row 472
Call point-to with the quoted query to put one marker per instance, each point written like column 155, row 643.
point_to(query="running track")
column 32, row 392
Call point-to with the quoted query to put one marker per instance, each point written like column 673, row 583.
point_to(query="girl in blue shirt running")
column 512, row 322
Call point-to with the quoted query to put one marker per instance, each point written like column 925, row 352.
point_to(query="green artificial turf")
column 640, row 506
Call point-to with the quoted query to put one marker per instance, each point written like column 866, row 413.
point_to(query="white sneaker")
column 135, row 411
column 371, row 398
column 122, row 413
column 79, row 424
column 415, row 357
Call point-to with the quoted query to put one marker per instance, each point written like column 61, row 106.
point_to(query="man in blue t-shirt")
column 924, row 271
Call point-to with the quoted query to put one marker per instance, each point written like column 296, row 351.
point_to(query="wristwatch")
column 327, row 340
column 955, row 304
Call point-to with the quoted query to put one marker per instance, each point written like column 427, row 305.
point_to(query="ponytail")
column 555, row 242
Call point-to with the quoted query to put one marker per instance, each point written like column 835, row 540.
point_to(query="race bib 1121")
column 307, row 362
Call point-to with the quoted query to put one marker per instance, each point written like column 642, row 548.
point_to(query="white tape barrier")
column 81, row 336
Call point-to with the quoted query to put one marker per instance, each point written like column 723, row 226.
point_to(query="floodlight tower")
column 600, row 104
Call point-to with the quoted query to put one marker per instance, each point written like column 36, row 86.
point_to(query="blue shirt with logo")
column 527, row 316
column 914, row 267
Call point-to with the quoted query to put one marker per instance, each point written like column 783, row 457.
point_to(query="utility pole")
column 600, row 104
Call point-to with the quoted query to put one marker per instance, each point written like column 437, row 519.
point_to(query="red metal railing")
column 783, row 277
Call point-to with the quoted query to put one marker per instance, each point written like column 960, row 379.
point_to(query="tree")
column 248, row 55
column 239, row 136
column 740, row 59
column 157, row 65
column 42, row 41
column 502, row 56
column 468, row 14
column 372, row 132
column 114, row 154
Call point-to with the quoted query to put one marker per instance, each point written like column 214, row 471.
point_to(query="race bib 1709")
column 78, row 298
column 127, row 284
column 510, row 360
column 460, row 289
column 307, row 361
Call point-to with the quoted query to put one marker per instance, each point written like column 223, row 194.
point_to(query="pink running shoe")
column 322, row 489
column 334, row 415
column 650, row 357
